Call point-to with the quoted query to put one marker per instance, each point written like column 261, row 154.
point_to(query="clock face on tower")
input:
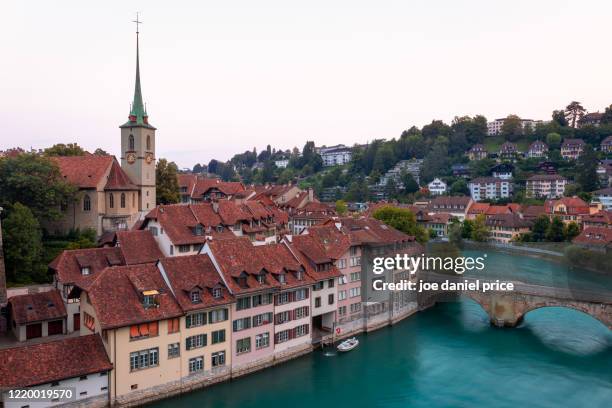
column 149, row 158
column 131, row 158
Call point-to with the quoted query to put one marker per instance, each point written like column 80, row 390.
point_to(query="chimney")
column 3, row 296
column 310, row 195
column 215, row 206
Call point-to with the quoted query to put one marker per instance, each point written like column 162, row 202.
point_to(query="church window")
column 86, row 203
column 131, row 142
column 122, row 200
column 148, row 142
column 111, row 200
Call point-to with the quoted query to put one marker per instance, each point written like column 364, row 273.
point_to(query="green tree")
column 558, row 116
column 540, row 228
column 586, row 170
column 408, row 182
column 553, row 140
column 571, row 231
column 607, row 116
column 436, row 162
column 22, row 245
column 166, row 177
column 401, row 219
column 341, row 207
column 455, row 233
column 100, row 152
column 61, row 149
column 459, row 187
column 574, row 112
column 480, row 232
column 555, row 232
column 466, row 229
column 36, row 182
column 512, row 129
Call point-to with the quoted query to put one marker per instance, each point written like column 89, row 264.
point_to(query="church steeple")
column 138, row 112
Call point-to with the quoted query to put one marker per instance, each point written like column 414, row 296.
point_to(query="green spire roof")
column 138, row 113
column 138, row 110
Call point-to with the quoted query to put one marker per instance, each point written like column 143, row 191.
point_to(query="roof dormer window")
column 299, row 275
column 198, row 230
column 85, row 270
column 195, row 296
column 217, row 293
column 281, row 278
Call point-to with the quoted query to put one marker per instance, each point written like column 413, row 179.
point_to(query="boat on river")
column 348, row 345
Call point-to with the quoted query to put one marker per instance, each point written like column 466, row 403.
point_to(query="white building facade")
column 437, row 187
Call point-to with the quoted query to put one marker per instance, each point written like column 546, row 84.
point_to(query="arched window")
column 148, row 142
column 86, row 203
column 131, row 142
column 122, row 200
column 111, row 200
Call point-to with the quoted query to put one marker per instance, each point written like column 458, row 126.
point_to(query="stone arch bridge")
column 507, row 308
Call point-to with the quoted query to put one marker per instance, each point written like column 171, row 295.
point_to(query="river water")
column 447, row 356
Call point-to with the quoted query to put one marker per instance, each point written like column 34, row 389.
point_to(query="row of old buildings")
column 506, row 223
column 153, row 322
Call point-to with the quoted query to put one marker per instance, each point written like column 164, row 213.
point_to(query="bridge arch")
column 584, row 309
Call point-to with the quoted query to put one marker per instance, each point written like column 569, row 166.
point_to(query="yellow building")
column 165, row 332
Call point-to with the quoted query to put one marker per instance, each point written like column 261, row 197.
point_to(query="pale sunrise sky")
column 220, row 77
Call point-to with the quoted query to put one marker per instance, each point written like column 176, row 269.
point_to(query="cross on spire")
column 138, row 22
column 138, row 112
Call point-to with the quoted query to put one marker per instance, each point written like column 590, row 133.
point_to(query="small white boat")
column 348, row 345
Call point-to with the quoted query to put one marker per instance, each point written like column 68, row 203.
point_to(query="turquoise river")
column 447, row 356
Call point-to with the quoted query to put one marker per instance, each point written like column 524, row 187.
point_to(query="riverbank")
column 562, row 252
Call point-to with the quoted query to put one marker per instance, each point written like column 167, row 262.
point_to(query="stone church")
column 111, row 196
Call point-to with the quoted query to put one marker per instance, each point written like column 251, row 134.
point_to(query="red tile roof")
column 138, row 247
column 68, row 264
column 479, row 208
column 371, row 231
column 37, row 307
column 239, row 258
column 117, row 179
column 596, row 236
column 116, row 296
column 533, row 211
column 52, row 361
column 336, row 243
column 186, row 273
column 203, row 185
column 179, row 220
column 508, row 221
column 84, row 171
column 312, row 248
column 603, row 217
column 574, row 205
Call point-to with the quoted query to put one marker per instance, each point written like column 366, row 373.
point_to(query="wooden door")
column 33, row 331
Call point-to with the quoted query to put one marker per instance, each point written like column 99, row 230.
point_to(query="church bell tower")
column 138, row 144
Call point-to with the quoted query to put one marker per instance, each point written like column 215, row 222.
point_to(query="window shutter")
column 276, row 300
column 307, row 310
column 235, row 325
column 276, row 338
column 307, row 293
column 307, row 328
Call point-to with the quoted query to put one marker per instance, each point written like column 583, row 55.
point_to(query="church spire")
column 138, row 112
